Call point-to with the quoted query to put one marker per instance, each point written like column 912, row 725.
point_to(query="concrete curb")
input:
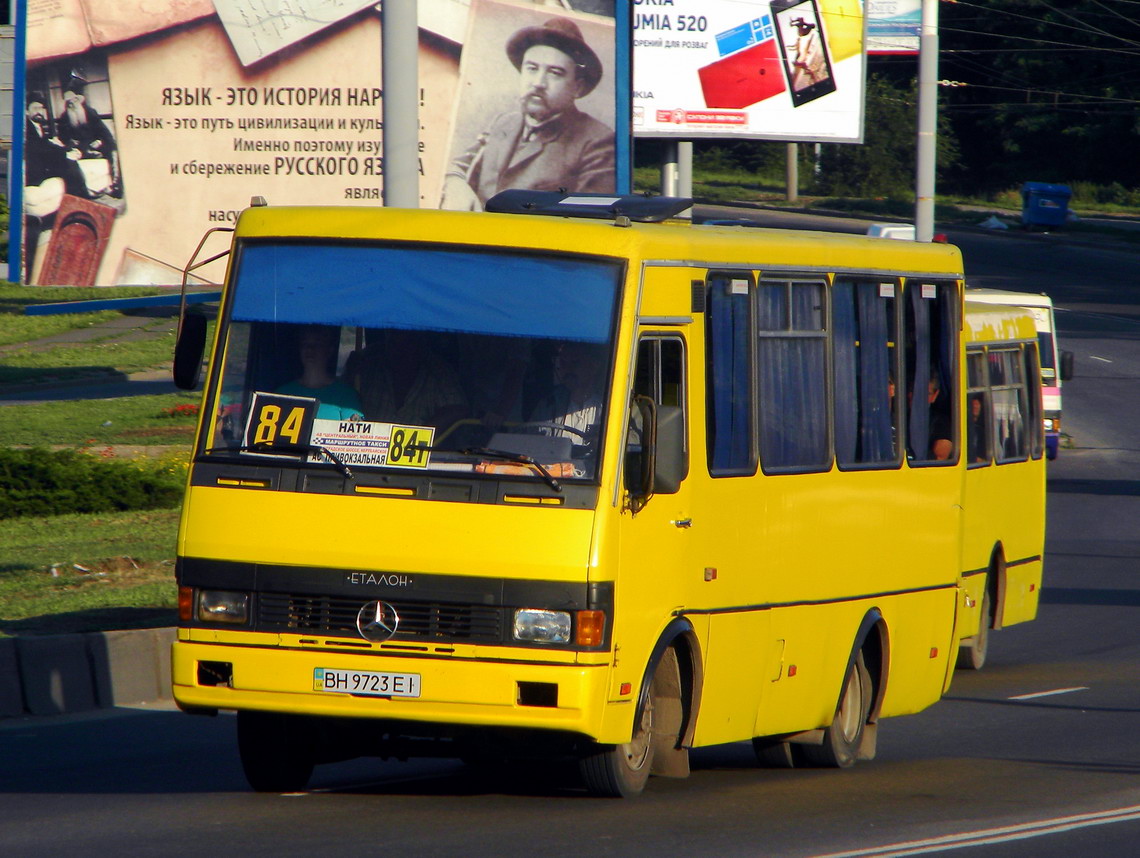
column 65, row 674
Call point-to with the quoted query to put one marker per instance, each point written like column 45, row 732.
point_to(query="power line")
column 1085, row 28
column 1038, row 40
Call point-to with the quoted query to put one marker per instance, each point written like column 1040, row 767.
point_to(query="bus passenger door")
column 655, row 529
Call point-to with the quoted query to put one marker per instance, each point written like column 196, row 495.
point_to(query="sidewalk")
column 66, row 674
column 124, row 328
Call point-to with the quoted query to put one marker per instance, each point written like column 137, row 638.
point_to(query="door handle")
column 682, row 522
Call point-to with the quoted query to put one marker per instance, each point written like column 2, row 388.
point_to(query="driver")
column 575, row 400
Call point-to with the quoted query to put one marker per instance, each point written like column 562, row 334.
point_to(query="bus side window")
column 977, row 413
column 1033, row 377
column 1009, row 398
column 862, row 316
column 931, row 358
column 660, row 376
column 791, row 362
column 730, row 408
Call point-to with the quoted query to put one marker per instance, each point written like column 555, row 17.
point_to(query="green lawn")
column 73, row 573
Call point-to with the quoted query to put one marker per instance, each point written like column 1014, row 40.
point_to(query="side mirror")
column 1066, row 365
column 188, row 351
column 669, row 453
column 640, row 441
column 655, row 452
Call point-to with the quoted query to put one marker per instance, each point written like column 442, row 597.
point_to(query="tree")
column 1051, row 91
column 884, row 165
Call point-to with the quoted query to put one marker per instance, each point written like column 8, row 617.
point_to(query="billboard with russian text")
column 149, row 121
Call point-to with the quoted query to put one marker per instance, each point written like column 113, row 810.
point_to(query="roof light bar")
column 635, row 207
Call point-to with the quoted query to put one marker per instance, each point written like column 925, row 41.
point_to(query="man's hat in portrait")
column 75, row 83
column 36, row 97
column 563, row 34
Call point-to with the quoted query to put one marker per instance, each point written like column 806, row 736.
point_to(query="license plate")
column 370, row 683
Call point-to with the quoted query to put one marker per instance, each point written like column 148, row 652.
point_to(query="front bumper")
column 454, row 691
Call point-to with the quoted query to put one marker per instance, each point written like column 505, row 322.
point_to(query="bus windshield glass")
column 401, row 357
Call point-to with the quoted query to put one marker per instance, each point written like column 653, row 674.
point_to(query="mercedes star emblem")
column 377, row 621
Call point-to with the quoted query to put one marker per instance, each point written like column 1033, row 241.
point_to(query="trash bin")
column 1044, row 204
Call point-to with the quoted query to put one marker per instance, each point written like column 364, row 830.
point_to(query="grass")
column 91, row 359
column 728, row 186
column 15, row 327
column 78, row 573
column 98, row 350
column 134, row 420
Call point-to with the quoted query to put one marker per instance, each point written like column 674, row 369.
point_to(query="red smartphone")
column 743, row 78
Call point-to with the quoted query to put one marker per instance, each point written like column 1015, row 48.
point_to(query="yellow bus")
column 1003, row 526
column 570, row 479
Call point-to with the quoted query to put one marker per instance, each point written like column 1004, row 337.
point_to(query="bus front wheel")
column 276, row 751
column 841, row 739
column 621, row 771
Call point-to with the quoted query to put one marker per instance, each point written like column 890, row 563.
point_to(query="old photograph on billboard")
column 149, row 121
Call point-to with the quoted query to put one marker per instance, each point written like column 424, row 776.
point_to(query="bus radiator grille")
column 434, row 621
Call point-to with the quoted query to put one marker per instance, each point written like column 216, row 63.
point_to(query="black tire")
column 841, row 739
column 621, row 771
column 972, row 656
column 276, row 751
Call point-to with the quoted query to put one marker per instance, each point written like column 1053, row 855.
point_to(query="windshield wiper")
column 505, row 456
column 300, row 448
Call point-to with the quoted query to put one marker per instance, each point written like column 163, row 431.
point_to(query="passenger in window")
column 407, row 381
column 318, row 351
column 941, row 434
column 976, row 430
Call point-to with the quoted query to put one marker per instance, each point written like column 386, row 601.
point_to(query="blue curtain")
column 875, row 430
column 918, row 439
column 793, row 378
column 845, row 361
column 730, row 380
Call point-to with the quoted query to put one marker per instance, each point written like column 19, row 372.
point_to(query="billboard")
column 149, row 121
column 893, row 26
column 762, row 69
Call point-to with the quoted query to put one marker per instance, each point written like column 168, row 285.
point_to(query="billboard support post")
column 670, row 184
column 400, row 47
column 927, row 122
column 792, row 173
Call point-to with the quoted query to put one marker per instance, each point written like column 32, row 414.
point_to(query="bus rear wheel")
column 276, row 751
column 972, row 656
column 841, row 739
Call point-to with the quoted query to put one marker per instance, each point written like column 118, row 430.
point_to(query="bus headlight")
column 223, row 606
column 541, row 626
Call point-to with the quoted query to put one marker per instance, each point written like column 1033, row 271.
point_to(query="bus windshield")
column 389, row 356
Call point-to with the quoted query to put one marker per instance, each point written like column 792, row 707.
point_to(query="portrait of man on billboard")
column 546, row 141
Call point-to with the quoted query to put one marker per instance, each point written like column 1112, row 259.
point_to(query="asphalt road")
column 1038, row 754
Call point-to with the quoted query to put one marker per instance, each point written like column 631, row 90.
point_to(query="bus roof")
column 674, row 241
column 1000, row 296
column 989, row 323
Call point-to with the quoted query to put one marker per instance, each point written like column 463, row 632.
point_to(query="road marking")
column 1048, row 693
column 987, row 836
column 1102, row 360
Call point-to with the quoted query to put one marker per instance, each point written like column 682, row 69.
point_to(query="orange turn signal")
column 185, row 604
column 591, row 628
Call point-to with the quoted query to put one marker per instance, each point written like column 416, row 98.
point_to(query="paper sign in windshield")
column 367, row 442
